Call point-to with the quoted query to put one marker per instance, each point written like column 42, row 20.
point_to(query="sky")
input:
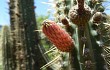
column 4, row 10
column 41, row 9
column 4, row 14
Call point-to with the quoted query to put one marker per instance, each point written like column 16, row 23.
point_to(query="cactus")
column 26, row 47
column 87, row 24
column 6, row 48
column 18, row 36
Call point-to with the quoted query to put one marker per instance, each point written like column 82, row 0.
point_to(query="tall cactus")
column 34, row 48
column 18, row 36
column 26, row 49
column 6, row 48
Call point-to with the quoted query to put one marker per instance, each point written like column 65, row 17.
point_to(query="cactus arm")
column 74, row 58
column 74, row 62
column 90, row 46
column 97, row 51
column 84, row 43
column 80, row 47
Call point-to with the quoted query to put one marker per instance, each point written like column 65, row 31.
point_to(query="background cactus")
column 6, row 48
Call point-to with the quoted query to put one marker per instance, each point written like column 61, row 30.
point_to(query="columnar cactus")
column 18, row 36
column 25, row 41
column 33, row 44
column 6, row 48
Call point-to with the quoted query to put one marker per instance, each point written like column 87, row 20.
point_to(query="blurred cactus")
column 17, row 36
column 6, row 48
column 26, row 47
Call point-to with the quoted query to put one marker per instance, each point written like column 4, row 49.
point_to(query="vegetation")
column 87, row 23
column 27, row 53
column 77, row 39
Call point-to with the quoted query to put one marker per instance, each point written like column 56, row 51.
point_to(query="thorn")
column 34, row 7
column 38, row 30
column 51, row 62
column 50, row 50
column 106, row 24
column 18, row 14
